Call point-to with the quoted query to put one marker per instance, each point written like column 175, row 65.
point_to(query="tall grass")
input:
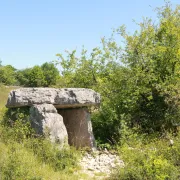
column 4, row 91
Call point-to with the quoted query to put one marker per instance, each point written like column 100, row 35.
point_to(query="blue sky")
column 34, row 31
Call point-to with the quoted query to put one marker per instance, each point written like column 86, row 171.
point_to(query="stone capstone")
column 46, row 121
column 70, row 123
column 60, row 98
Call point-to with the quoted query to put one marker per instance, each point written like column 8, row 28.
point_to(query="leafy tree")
column 51, row 73
column 89, row 70
column 45, row 75
column 22, row 77
column 36, row 77
column 7, row 75
column 153, row 56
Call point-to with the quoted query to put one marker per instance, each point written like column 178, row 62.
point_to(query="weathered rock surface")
column 79, row 127
column 45, row 120
column 60, row 98
column 71, row 103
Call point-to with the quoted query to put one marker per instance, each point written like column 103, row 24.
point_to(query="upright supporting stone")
column 79, row 127
column 46, row 121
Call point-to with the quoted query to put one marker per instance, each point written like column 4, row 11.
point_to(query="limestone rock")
column 79, row 127
column 45, row 120
column 60, row 98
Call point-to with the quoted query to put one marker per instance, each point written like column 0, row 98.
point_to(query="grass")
column 4, row 91
column 19, row 163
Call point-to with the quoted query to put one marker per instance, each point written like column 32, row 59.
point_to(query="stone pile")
column 100, row 162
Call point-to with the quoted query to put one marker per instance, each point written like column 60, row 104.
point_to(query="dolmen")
column 60, row 114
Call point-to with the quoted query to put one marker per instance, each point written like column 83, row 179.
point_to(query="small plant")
column 16, row 124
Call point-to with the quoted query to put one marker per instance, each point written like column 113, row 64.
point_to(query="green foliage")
column 155, row 160
column 13, row 114
column 7, row 75
column 36, row 77
column 89, row 71
column 22, row 76
column 12, row 168
column 18, row 162
column 16, row 124
column 147, row 166
column 153, row 56
column 138, row 81
column 51, row 74
column 65, row 159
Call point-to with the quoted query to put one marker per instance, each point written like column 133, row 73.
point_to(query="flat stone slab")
column 79, row 127
column 60, row 98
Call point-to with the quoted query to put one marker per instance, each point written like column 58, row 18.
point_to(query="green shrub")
column 152, row 160
column 59, row 159
column 19, row 162
column 13, row 168
column 16, row 124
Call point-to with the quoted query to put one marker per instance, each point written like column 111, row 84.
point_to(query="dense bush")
column 149, row 158
column 51, row 74
column 138, row 81
column 38, row 76
column 16, row 124
column 7, row 75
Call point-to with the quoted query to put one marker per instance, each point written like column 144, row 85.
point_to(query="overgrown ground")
column 22, row 156
column 149, row 158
